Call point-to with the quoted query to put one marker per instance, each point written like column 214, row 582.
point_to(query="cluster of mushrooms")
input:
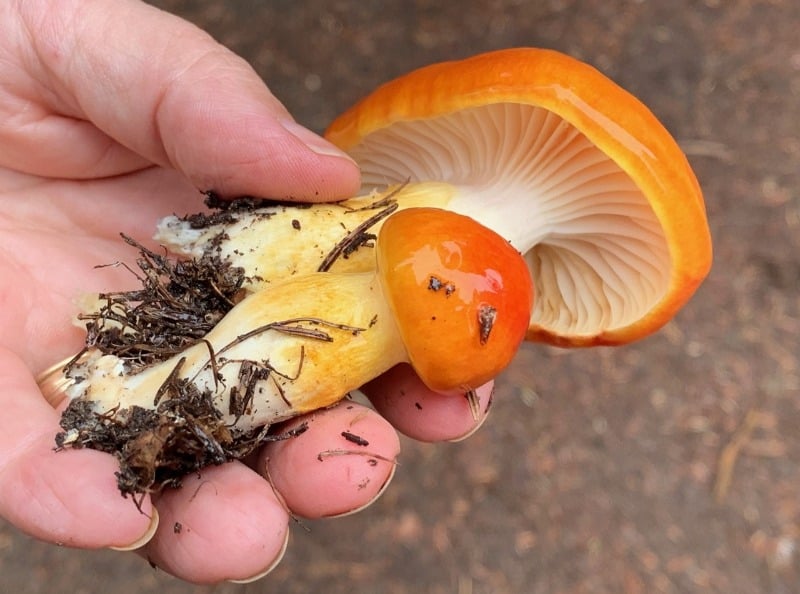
column 514, row 195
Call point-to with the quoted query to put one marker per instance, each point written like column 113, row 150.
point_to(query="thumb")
column 141, row 83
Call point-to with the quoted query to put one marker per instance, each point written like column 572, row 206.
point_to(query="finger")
column 340, row 464
column 416, row 411
column 68, row 497
column 165, row 90
column 225, row 523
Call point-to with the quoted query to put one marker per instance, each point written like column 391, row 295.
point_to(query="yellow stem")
column 280, row 241
column 317, row 335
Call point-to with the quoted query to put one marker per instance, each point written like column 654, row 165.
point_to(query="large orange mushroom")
column 564, row 166
column 572, row 169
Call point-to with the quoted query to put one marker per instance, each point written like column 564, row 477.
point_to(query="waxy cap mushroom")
column 461, row 296
column 576, row 172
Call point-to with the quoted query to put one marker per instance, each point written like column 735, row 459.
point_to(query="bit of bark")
column 353, row 438
column 486, row 318
column 222, row 208
column 436, row 284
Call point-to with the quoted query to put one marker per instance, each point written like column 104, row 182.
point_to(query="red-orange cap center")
column 461, row 294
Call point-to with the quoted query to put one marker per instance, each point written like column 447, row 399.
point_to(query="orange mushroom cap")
column 574, row 170
column 461, row 295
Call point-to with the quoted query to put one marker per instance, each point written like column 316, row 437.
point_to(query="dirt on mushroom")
column 178, row 303
column 191, row 370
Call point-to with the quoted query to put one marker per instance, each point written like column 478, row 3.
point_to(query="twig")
column 331, row 453
column 474, row 404
column 355, row 238
column 730, row 453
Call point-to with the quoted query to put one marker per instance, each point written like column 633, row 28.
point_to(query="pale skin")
column 112, row 115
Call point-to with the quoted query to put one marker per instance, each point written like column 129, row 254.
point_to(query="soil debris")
column 155, row 448
column 179, row 303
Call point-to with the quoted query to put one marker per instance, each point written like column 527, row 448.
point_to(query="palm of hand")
column 55, row 234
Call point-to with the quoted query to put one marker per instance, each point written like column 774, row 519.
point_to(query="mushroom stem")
column 277, row 241
column 269, row 358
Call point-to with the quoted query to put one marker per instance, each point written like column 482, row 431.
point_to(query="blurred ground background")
column 596, row 470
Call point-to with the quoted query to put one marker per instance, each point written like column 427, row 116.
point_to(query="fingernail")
column 145, row 538
column 471, row 432
column 272, row 565
column 383, row 488
column 315, row 142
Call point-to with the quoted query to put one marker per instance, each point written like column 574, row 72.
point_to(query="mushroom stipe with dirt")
column 447, row 295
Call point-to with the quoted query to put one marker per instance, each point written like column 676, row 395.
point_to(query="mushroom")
column 448, row 295
column 566, row 167
column 572, row 169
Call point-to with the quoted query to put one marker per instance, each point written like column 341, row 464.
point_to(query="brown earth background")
column 596, row 470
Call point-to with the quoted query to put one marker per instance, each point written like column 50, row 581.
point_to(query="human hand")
column 112, row 115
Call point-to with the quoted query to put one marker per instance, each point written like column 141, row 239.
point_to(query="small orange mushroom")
column 461, row 299
column 448, row 295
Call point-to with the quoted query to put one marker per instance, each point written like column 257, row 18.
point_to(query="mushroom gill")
column 595, row 248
